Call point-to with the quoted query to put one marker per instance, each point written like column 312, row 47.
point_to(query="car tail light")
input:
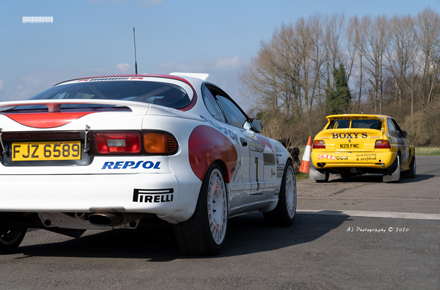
column 117, row 143
column 382, row 144
column 318, row 144
column 159, row 143
column 134, row 143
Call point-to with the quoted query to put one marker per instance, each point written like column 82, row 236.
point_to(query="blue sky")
column 95, row 37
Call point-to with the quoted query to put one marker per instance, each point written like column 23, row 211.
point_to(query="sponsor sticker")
column 349, row 135
column 131, row 165
column 366, row 155
column 105, row 79
column 325, row 156
column 224, row 130
column 153, row 195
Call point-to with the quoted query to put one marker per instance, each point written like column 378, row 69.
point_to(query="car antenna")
column 135, row 60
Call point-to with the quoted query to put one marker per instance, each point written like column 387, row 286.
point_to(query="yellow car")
column 354, row 144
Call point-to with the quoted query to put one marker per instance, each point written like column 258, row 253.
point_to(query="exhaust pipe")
column 113, row 219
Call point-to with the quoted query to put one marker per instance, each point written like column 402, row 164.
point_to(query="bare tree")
column 428, row 39
column 259, row 80
column 334, row 28
column 354, row 35
column 387, row 60
column 374, row 44
column 317, row 58
column 402, row 51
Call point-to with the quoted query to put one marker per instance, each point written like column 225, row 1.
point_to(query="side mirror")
column 257, row 126
column 404, row 133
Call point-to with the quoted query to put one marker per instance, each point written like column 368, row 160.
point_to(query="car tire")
column 285, row 211
column 10, row 239
column 205, row 232
column 412, row 168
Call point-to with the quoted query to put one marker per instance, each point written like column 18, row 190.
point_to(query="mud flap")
column 395, row 175
column 316, row 175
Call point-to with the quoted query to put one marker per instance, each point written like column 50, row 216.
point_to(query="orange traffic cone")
column 305, row 163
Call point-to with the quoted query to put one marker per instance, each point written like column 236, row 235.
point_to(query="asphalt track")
column 348, row 234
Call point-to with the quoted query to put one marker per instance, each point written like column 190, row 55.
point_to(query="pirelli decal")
column 153, row 195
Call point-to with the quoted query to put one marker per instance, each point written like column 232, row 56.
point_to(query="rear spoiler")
column 355, row 117
column 191, row 75
column 137, row 108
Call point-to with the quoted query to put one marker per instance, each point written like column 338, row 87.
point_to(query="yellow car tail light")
column 382, row 144
column 318, row 144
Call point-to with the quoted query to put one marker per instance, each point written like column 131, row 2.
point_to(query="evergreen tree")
column 338, row 100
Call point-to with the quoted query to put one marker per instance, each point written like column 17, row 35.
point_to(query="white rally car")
column 122, row 151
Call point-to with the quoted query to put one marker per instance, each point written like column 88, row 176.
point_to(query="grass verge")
column 427, row 151
column 300, row 175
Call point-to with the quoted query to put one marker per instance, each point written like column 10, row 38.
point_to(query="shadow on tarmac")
column 378, row 178
column 247, row 234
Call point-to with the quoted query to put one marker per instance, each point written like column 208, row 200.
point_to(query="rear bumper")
column 322, row 159
column 162, row 194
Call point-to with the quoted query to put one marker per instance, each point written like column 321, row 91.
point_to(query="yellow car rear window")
column 339, row 124
column 366, row 124
column 361, row 124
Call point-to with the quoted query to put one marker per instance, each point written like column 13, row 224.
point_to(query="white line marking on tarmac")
column 379, row 214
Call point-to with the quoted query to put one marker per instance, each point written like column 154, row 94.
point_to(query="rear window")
column 366, row 124
column 339, row 124
column 160, row 93
column 355, row 124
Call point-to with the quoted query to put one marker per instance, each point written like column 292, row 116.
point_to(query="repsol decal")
column 131, row 165
column 153, row 195
column 222, row 129
column 349, row 135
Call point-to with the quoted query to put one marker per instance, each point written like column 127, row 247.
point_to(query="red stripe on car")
column 207, row 145
column 46, row 120
column 264, row 142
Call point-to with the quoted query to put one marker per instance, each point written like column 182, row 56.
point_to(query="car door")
column 252, row 159
column 239, row 182
column 254, row 165
column 403, row 143
column 260, row 166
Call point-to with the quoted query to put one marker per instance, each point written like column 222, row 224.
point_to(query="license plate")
column 350, row 146
column 53, row 150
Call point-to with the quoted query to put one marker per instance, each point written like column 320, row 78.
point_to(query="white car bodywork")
column 166, row 186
